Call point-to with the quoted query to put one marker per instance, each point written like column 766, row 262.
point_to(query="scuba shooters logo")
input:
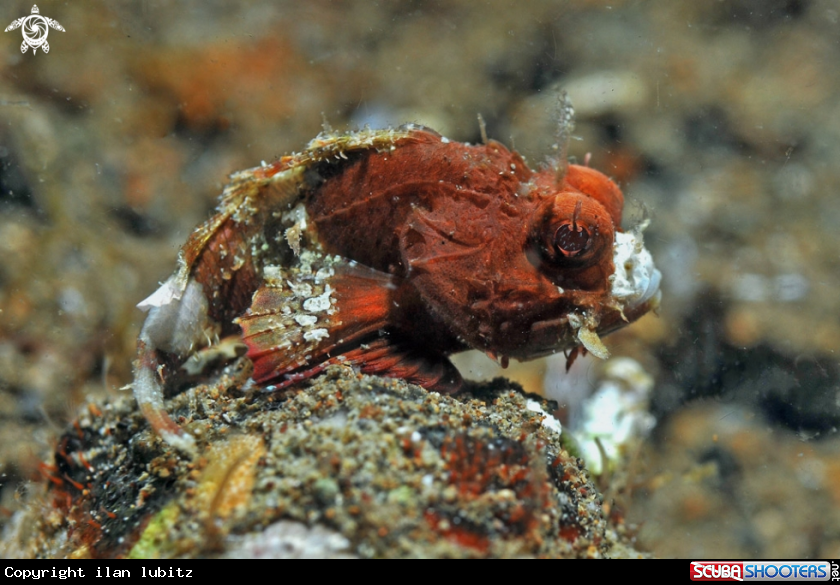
column 717, row 571
column 764, row 571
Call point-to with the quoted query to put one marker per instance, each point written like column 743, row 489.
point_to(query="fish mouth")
column 634, row 291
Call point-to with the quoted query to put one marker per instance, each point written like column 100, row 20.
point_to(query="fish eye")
column 572, row 233
column 572, row 239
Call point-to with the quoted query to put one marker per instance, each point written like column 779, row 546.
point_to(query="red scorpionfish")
column 390, row 250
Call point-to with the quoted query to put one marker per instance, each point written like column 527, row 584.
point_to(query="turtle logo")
column 35, row 30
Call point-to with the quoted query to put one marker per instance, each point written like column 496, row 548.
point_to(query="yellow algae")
column 155, row 542
column 225, row 484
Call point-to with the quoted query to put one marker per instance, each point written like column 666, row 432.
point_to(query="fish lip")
column 636, row 280
column 651, row 291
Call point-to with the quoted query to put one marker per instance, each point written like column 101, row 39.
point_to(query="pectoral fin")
column 331, row 311
column 303, row 315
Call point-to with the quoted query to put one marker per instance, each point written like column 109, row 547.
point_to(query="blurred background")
column 719, row 119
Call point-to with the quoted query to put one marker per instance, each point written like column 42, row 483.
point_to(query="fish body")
column 389, row 250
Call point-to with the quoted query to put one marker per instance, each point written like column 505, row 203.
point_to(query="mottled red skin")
column 460, row 228
column 229, row 296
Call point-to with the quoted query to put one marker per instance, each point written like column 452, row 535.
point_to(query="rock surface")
column 346, row 466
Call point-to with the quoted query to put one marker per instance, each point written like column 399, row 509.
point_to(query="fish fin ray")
column 382, row 357
column 302, row 315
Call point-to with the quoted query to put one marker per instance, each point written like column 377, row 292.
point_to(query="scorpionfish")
column 389, row 250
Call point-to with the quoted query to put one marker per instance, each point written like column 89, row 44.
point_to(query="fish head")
column 582, row 275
